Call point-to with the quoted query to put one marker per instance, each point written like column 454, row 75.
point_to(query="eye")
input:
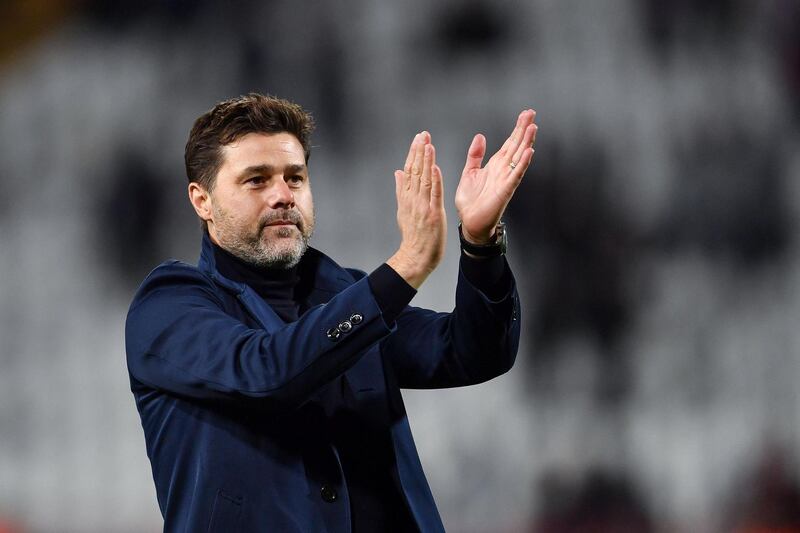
column 295, row 180
column 256, row 180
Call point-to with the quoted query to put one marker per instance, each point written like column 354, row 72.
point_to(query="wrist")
column 494, row 246
column 407, row 268
column 478, row 239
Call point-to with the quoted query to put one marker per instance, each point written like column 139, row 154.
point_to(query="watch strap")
column 498, row 247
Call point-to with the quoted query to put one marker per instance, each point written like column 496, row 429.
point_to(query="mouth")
column 281, row 223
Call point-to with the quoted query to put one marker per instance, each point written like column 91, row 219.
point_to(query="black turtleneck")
column 276, row 286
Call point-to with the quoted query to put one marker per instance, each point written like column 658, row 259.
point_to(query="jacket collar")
column 328, row 280
column 327, row 275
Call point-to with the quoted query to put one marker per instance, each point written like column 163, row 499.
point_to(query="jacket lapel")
column 259, row 309
column 366, row 376
column 253, row 304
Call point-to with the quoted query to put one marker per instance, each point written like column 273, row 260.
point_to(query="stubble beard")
column 268, row 247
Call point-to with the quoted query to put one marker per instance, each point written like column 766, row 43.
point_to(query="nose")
column 281, row 195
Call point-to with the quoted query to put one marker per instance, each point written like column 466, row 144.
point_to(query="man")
column 268, row 377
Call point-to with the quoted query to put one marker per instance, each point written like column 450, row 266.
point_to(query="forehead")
column 262, row 148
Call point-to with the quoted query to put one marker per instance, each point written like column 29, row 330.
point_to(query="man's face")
column 261, row 208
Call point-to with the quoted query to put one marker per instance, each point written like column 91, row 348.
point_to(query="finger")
column 399, row 176
column 416, row 166
column 424, row 137
column 427, row 162
column 410, row 156
column 527, row 142
column 511, row 140
column 475, row 153
column 437, row 187
column 523, row 120
column 525, row 160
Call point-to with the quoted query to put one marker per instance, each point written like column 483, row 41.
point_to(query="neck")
column 280, row 288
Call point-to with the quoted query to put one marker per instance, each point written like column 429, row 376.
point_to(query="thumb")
column 475, row 153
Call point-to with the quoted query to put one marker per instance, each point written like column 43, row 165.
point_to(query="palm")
column 482, row 196
column 484, row 192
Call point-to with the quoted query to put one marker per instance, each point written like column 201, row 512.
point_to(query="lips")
column 283, row 218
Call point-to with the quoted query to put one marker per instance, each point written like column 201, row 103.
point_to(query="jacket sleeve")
column 179, row 338
column 475, row 342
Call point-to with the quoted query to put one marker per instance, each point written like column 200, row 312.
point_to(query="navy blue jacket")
column 224, row 388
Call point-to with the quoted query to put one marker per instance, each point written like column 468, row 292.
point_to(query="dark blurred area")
column 770, row 496
column 600, row 503
column 654, row 239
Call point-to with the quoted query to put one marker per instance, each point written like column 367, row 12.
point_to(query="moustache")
column 282, row 215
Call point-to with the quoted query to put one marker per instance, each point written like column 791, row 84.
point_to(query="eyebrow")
column 270, row 169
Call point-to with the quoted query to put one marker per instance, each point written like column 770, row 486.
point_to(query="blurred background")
column 655, row 240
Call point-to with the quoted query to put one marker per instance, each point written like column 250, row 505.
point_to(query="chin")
column 284, row 232
column 282, row 253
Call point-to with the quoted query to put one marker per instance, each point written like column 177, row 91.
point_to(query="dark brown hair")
column 234, row 118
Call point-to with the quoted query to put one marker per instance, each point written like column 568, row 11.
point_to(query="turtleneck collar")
column 278, row 287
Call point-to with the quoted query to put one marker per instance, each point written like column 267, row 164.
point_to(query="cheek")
column 237, row 213
column 307, row 206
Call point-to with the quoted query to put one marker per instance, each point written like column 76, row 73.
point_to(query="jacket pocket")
column 226, row 513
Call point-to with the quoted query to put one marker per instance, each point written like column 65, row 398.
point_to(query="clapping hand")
column 420, row 213
column 484, row 192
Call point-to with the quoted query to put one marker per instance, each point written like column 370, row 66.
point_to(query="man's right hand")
column 420, row 213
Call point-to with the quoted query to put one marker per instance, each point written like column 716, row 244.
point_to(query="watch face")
column 502, row 237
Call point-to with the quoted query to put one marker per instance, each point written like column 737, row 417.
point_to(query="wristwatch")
column 498, row 247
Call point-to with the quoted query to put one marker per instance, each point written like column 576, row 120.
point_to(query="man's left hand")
column 484, row 193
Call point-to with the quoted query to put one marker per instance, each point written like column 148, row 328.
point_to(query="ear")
column 201, row 201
